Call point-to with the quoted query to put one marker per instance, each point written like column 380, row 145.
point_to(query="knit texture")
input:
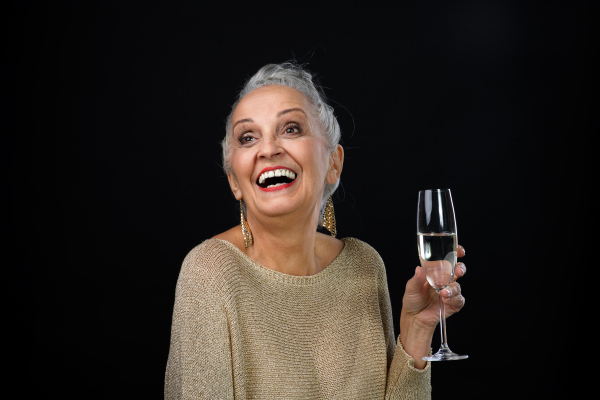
column 243, row 331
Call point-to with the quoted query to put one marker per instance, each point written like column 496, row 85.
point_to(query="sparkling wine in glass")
column 436, row 234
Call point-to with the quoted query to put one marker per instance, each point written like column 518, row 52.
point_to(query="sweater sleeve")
column 199, row 364
column 404, row 381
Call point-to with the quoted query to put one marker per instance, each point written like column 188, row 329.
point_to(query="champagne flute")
column 436, row 234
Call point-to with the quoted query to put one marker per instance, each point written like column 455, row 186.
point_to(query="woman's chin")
column 283, row 208
column 276, row 212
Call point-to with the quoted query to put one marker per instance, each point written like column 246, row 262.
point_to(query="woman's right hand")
column 420, row 310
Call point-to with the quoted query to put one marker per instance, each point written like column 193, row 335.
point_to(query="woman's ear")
column 235, row 187
column 336, row 162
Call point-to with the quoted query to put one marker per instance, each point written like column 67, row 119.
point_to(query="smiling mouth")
column 275, row 178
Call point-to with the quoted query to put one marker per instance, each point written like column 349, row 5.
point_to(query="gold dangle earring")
column 246, row 232
column 329, row 217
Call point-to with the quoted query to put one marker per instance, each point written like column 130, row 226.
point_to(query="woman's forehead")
column 270, row 99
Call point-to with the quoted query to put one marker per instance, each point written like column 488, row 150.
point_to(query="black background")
column 114, row 117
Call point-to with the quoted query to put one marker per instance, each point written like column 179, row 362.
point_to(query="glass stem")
column 444, row 345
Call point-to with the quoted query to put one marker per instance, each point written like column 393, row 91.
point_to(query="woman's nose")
column 269, row 148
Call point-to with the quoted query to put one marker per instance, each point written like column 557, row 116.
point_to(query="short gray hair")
column 294, row 76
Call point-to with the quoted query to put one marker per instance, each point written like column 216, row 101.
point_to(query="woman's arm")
column 404, row 381
column 199, row 364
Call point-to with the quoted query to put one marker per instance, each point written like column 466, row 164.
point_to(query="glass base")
column 445, row 355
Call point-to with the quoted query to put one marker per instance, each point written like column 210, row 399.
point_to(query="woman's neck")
column 287, row 246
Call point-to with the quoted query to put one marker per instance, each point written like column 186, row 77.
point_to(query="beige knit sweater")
column 243, row 331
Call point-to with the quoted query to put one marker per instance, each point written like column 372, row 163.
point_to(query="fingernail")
column 448, row 293
column 463, row 268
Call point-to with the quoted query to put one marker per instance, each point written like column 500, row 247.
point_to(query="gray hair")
column 291, row 75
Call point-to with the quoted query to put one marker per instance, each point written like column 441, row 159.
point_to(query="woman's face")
column 279, row 159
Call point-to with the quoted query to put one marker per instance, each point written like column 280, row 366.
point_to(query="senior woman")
column 273, row 309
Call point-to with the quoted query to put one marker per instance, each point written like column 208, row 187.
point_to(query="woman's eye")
column 246, row 139
column 292, row 130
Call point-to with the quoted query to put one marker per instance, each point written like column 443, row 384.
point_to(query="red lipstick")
column 280, row 186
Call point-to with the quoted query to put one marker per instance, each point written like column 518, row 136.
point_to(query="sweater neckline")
column 294, row 279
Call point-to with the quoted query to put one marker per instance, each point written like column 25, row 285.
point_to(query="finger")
column 452, row 290
column 459, row 271
column 461, row 251
column 455, row 302
column 417, row 282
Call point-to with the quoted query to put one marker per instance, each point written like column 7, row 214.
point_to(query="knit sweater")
column 243, row 331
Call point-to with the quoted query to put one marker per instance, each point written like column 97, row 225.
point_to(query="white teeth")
column 274, row 173
column 278, row 184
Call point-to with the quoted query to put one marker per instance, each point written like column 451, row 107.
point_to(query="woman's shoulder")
column 210, row 263
column 233, row 236
column 358, row 249
column 364, row 257
column 210, row 253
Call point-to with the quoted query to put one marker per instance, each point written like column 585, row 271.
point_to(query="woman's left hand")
column 420, row 310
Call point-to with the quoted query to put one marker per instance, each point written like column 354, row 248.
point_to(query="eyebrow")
column 279, row 114
column 242, row 120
